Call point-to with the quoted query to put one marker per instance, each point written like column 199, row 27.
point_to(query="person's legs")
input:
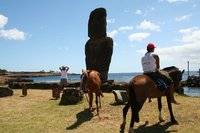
column 165, row 76
column 63, row 83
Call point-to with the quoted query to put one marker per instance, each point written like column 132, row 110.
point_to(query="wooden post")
column 56, row 93
column 199, row 72
column 24, row 90
column 188, row 73
column 188, row 69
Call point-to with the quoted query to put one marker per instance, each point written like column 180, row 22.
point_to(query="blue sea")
column 121, row 77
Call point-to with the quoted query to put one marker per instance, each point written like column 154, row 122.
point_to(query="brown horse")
column 142, row 87
column 90, row 80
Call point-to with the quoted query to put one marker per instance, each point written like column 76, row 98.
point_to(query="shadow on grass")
column 82, row 117
column 156, row 128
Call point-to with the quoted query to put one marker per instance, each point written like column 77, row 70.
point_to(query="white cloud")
column 11, row 34
column 138, row 12
column 152, row 9
column 3, row 21
column 111, row 21
column 190, row 35
column 123, row 28
column 182, row 18
column 115, row 44
column 112, row 33
column 148, row 25
column 179, row 55
column 188, row 30
column 138, row 36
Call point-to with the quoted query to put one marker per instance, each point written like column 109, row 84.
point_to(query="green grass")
column 37, row 113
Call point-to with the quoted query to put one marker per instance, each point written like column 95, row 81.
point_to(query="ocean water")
column 117, row 77
column 120, row 77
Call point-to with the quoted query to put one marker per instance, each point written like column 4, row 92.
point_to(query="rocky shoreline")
column 106, row 87
column 192, row 81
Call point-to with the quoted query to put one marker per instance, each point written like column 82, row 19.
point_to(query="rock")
column 71, row 96
column 193, row 81
column 5, row 91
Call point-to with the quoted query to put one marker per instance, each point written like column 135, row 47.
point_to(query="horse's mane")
column 171, row 69
column 174, row 73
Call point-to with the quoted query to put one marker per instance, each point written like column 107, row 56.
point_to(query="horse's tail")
column 131, row 92
column 101, row 94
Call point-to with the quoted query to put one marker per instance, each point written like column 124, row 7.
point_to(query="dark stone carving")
column 5, row 91
column 99, row 47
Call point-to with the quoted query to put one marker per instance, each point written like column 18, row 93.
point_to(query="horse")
column 142, row 87
column 90, row 80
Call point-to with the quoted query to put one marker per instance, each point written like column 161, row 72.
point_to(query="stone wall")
column 106, row 87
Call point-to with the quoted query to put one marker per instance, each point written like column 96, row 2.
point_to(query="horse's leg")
column 99, row 95
column 173, row 120
column 90, row 99
column 160, row 108
column 171, row 92
column 135, row 108
column 125, row 110
column 97, row 103
column 131, row 130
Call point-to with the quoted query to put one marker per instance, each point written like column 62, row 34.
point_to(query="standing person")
column 151, row 68
column 63, row 78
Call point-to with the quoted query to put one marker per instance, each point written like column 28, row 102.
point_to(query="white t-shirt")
column 63, row 74
column 148, row 63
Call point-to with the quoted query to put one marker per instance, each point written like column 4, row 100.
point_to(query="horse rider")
column 151, row 67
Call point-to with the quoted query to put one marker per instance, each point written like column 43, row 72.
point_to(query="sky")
column 38, row 35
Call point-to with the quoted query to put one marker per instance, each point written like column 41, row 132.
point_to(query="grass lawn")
column 38, row 113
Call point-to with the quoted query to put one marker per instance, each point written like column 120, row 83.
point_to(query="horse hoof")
column 122, row 126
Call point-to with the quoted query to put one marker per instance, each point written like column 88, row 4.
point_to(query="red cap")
column 151, row 45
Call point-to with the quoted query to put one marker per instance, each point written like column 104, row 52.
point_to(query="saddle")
column 162, row 85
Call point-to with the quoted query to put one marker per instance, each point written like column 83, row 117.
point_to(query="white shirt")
column 63, row 74
column 148, row 63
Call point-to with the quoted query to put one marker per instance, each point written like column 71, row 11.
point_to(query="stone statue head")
column 97, row 23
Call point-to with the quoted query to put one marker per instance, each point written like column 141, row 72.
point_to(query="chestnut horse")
column 90, row 80
column 142, row 87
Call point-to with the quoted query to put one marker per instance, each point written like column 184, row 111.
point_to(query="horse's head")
column 175, row 74
column 83, row 77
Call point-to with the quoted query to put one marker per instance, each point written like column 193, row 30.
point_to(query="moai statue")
column 99, row 48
